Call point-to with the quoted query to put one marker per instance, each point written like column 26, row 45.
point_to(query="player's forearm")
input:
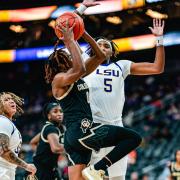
column 159, row 62
column 11, row 157
column 98, row 52
column 77, row 61
column 34, row 142
column 58, row 149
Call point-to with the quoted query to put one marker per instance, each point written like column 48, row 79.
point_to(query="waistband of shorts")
column 115, row 123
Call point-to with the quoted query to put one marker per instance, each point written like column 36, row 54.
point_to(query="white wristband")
column 159, row 41
column 81, row 9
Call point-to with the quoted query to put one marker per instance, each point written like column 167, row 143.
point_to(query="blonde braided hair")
column 18, row 100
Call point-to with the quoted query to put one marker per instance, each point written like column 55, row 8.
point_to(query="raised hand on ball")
column 66, row 31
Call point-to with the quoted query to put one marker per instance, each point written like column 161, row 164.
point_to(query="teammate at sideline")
column 49, row 143
column 10, row 137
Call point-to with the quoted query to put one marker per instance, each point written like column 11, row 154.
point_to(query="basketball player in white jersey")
column 106, row 86
column 10, row 137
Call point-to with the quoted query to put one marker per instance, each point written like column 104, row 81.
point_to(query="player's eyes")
column 107, row 46
column 6, row 99
column 57, row 111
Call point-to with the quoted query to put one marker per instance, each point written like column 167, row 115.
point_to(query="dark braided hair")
column 58, row 61
column 115, row 48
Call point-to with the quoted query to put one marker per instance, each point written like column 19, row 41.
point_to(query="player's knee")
column 117, row 178
column 137, row 139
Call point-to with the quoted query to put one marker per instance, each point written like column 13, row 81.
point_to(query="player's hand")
column 31, row 168
column 158, row 27
column 66, row 31
column 90, row 3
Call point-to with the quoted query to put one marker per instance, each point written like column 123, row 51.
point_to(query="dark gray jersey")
column 75, row 103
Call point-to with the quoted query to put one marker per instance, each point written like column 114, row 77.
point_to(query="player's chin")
column 13, row 111
column 58, row 119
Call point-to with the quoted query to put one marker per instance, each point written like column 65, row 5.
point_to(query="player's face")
column 56, row 114
column 178, row 156
column 9, row 105
column 106, row 48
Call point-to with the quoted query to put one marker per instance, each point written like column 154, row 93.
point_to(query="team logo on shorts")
column 85, row 124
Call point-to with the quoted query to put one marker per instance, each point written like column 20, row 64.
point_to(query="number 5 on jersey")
column 108, row 85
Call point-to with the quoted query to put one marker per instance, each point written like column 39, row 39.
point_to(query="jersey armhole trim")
column 119, row 68
column 42, row 137
column 66, row 93
column 13, row 130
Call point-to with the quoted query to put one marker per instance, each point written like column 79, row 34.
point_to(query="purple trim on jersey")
column 119, row 68
column 105, row 64
column 13, row 131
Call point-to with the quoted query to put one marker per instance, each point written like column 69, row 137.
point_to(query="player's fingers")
column 73, row 25
column 159, row 24
column 60, row 26
column 151, row 29
column 154, row 22
column 163, row 23
column 67, row 23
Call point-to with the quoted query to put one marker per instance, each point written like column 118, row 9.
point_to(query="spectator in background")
column 134, row 176
column 174, row 167
column 48, row 143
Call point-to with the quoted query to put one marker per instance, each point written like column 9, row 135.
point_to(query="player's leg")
column 78, row 160
column 124, row 140
column 117, row 170
column 117, row 178
column 75, row 172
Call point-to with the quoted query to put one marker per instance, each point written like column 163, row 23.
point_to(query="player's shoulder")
column 123, row 61
column 4, row 120
column 49, row 127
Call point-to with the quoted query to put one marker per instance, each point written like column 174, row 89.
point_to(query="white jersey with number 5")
column 106, row 87
column 15, row 140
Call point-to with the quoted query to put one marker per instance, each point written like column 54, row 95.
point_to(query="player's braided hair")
column 18, row 100
column 115, row 48
column 58, row 61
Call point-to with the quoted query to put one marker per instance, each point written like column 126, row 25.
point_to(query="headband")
column 106, row 42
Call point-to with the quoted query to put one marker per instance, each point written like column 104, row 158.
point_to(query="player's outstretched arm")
column 78, row 68
column 11, row 157
column 93, row 62
column 34, row 141
column 85, row 4
column 157, row 66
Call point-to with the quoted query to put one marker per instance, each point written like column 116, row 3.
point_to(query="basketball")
column 78, row 29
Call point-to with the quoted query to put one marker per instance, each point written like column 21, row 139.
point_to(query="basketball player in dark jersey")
column 174, row 167
column 82, row 136
column 49, row 143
